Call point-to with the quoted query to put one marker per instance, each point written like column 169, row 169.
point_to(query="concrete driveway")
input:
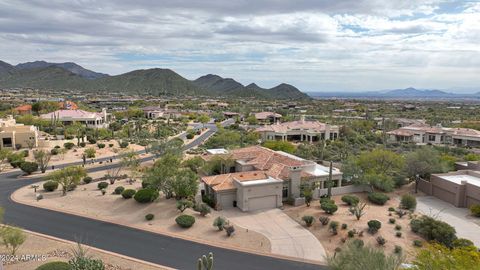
column 286, row 236
column 459, row 218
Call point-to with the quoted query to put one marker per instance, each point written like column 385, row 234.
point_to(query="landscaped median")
column 88, row 200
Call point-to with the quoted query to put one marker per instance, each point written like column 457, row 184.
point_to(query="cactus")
column 205, row 263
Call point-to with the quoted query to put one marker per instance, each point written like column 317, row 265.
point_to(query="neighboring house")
column 302, row 130
column 460, row 188
column 24, row 109
column 261, row 178
column 267, row 117
column 423, row 133
column 231, row 114
column 15, row 136
column 67, row 105
column 89, row 119
column 154, row 112
column 213, row 104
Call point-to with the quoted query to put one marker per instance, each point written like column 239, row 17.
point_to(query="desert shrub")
column 230, row 230
column 475, row 210
column 398, row 234
column 408, row 202
column 203, row 209
column 102, row 185
column 190, row 136
column 25, row 153
column 358, row 243
column 220, row 223
column 118, row 190
column 182, row 205
column 308, row 220
column 146, row 195
column 28, row 167
column 344, row 226
column 434, row 230
column 417, row 243
column 54, row 151
column 50, row 186
column 123, row 144
column 329, row 208
column 85, row 262
column 462, row 242
column 326, row 200
column 128, row 193
column 391, row 209
column 391, row 220
column 378, row 198
column 110, row 145
column 82, row 144
column 145, row 184
column 398, row 249
column 87, row 179
column 381, row 241
column 92, row 141
column 15, row 159
column 351, row 233
column 374, row 225
column 185, row 221
column 68, row 145
column 400, row 213
column 333, row 226
column 149, row 216
column 398, row 227
column 101, row 145
column 54, row 266
column 350, row 200
column 324, row 220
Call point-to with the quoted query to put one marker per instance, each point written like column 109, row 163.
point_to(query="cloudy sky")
column 317, row 45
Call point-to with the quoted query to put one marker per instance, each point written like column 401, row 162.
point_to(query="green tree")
column 4, row 154
column 436, row 256
column 353, row 257
column 194, row 163
column 13, row 238
column 203, row 118
column 163, row 172
column 185, row 184
column 252, row 120
column 42, row 158
column 67, row 177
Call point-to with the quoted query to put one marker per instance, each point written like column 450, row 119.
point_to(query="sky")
column 316, row 45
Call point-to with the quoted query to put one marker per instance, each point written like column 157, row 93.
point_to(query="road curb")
column 169, row 234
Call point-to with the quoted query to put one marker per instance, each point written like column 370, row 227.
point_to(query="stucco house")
column 13, row 135
column 267, row 117
column 89, row 119
column 301, row 130
column 261, row 178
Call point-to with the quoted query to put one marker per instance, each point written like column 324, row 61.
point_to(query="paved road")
column 151, row 247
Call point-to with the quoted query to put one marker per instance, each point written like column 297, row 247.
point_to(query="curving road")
column 143, row 245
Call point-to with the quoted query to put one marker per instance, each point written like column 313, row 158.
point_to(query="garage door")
column 443, row 194
column 258, row 203
column 226, row 200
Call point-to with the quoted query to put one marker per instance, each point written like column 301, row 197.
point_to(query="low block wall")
column 342, row 190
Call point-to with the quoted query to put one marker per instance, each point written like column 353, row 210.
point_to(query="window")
column 7, row 142
column 285, row 192
column 431, row 137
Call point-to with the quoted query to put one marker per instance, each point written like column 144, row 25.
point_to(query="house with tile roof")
column 23, row 109
column 299, row 131
column 89, row 119
column 267, row 117
column 261, row 178
column 16, row 136
column 424, row 133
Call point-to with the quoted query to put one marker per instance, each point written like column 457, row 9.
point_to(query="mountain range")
column 156, row 81
column 407, row 93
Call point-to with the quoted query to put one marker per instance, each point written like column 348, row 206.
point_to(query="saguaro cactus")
column 205, row 263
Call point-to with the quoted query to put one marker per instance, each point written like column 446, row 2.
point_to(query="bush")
column 123, row 144
column 25, row 153
column 417, row 243
column 475, row 210
column 391, row 220
column 333, row 227
column 102, row 185
column 462, row 242
column 408, row 202
column 87, row 179
column 55, row 266
column 329, row 208
column 128, row 193
column 326, row 200
column 29, row 167
column 54, row 151
column 381, row 241
column 398, row 234
column 92, row 141
column 434, row 230
column 398, row 227
column 391, row 209
column 308, row 220
column 229, row 230
column 350, row 200
column 351, row 233
column 190, row 136
column 203, row 209
column 185, row 221
column 358, row 243
column 68, row 145
column 324, row 220
column 374, row 225
column 145, row 184
column 344, row 226
column 101, row 145
column 118, row 190
column 82, row 144
column 110, row 145
column 398, row 249
column 378, row 198
column 15, row 159
column 220, row 223
column 149, row 216
column 146, row 195
column 50, row 186
column 182, row 205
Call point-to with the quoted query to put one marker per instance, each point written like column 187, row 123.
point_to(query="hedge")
column 146, row 195
column 119, row 190
column 378, row 198
column 350, row 200
column 102, row 185
column 50, row 186
column 29, row 167
column 128, row 193
column 185, row 221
